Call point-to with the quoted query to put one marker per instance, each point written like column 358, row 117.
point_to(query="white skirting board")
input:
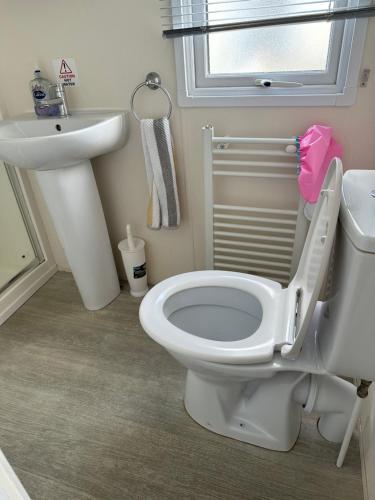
column 23, row 288
column 10, row 486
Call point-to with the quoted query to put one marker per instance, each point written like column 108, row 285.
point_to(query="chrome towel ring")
column 153, row 82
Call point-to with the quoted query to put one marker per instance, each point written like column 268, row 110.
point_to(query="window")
column 319, row 61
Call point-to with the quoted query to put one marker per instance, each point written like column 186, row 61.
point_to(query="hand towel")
column 163, row 207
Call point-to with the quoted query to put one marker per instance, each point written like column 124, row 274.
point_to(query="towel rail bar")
column 253, row 140
column 252, row 244
column 252, row 152
column 241, row 163
column 254, row 236
column 253, row 268
column 226, row 173
column 254, row 219
column 244, row 260
column 256, row 209
column 241, row 251
column 259, row 229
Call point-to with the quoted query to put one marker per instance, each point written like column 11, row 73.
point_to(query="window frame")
column 205, row 79
column 340, row 93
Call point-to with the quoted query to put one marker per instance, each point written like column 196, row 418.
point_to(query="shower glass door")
column 19, row 247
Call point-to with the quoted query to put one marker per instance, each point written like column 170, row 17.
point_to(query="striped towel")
column 163, row 208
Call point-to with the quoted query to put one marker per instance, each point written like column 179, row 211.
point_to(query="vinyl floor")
column 91, row 408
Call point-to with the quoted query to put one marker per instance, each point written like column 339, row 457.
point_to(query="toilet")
column 253, row 349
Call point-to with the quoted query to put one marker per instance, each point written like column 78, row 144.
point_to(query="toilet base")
column 267, row 411
column 260, row 412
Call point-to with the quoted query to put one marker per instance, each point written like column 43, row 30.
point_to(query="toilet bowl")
column 241, row 336
column 216, row 315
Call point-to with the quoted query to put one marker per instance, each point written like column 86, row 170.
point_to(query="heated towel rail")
column 252, row 205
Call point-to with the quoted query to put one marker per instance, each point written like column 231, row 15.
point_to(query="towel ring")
column 153, row 82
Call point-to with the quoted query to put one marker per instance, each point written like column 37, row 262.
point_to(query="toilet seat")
column 286, row 313
column 257, row 347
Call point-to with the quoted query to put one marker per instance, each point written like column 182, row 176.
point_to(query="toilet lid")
column 303, row 291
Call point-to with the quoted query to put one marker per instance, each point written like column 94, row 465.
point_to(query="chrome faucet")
column 60, row 95
column 56, row 97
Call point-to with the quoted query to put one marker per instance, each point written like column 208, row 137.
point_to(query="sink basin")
column 59, row 150
column 357, row 212
column 50, row 143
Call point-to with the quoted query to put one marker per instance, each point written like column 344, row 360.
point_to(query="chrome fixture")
column 56, row 96
column 153, row 82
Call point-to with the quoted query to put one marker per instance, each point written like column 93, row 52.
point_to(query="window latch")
column 276, row 83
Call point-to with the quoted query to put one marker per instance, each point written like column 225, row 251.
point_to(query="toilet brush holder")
column 134, row 259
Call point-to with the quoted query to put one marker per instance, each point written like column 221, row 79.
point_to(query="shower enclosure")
column 26, row 259
column 20, row 250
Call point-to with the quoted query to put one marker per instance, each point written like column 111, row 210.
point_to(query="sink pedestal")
column 59, row 149
column 73, row 200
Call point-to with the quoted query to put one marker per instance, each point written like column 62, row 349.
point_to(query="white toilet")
column 252, row 349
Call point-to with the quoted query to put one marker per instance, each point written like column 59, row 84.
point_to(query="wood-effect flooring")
column 92, row 408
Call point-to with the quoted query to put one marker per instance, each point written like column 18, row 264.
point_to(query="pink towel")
column 316, row 150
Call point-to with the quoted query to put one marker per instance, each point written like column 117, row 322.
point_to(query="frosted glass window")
column 266, row 50
column 308, row 53
column 276, row 49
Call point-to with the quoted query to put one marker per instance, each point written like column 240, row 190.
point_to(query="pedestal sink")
column 59, row 150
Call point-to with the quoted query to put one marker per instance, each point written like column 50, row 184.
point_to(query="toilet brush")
column 133, row 255
column 129, row 235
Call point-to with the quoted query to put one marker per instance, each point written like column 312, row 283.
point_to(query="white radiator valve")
column 291, row 148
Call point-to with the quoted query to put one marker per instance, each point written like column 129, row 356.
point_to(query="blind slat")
column 182, row 18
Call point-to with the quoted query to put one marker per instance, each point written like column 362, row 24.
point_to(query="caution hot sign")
column 66, row 71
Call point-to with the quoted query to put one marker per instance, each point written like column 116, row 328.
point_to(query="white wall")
column 115, row 43
column 114, row 49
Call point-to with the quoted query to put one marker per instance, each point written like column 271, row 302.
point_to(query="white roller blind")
column 191, row 17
